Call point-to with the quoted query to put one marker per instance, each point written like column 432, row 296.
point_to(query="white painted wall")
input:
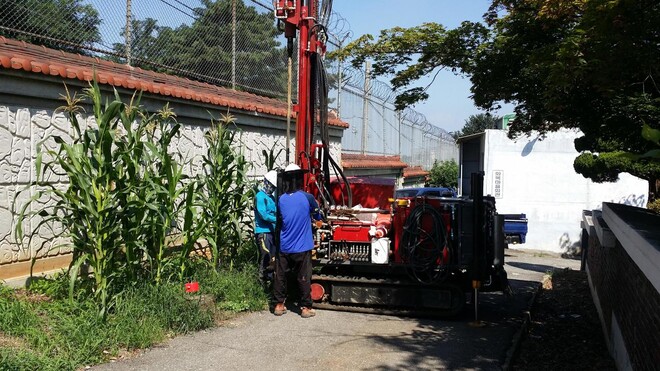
column 538, row 179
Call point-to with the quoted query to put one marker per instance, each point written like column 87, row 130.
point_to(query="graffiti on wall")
column 632, row 200
column 569, row 248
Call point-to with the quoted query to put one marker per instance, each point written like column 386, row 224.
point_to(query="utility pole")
column 398, row 118
column 339, row 87
column 365, row 107
column 384, row 127
column 127, row 32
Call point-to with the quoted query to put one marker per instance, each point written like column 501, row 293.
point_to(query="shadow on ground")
column 542, row 268
column 454, row 343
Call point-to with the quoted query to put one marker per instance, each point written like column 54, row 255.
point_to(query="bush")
column 654, row 206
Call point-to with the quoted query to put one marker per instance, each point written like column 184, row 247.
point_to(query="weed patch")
column 235, row 291
column 40, row 332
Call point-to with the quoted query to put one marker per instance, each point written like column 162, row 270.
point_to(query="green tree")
column 585, row 64
column 444, row 174
column 478, row 123
column 68, row 25
column 203, row 49
column 144, row 42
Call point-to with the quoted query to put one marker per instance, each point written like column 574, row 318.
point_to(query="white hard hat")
column 271, row 177
column 292, row 167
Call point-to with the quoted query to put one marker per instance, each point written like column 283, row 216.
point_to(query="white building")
column 534, row 175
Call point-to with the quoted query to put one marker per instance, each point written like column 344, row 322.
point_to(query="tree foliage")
column 204, row 49
column 478, row 123
column 444, row 174
column 435, row 46
column 70, row 25
column 585, row 64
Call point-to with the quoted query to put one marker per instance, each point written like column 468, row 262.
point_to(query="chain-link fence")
column 377, row 128
column 232, row 43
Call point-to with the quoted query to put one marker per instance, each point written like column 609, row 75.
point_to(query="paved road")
column 342, row 341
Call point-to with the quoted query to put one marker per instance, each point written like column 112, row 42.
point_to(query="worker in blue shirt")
column 265, row 217
column 296, row 208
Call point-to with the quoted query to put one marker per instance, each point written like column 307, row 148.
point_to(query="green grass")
column 236, row 291
column 52, row 332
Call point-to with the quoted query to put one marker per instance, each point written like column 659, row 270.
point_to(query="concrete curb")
column 512, row 353
column 21, row 281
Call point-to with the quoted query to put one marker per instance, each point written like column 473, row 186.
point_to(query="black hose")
column 349, row 192
column 423, row 248
column 323, row 119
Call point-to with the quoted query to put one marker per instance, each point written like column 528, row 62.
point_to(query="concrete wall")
column 623, row 267
column 537, row 178
column 28, row 115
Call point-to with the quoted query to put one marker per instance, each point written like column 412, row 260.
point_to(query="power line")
column 263, row 5
column 186, row 6
column 178, row 9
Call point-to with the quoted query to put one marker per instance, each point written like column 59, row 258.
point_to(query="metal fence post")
column 365, row 107
column 127, row 32
column 233, row 44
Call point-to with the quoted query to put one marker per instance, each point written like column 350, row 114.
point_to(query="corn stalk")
column 227, row 194
column 124, row 195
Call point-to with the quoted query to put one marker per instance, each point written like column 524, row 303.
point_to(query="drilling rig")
column 420, row 255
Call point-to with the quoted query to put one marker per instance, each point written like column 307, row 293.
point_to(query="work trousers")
column 266, row 246
column 299, row 264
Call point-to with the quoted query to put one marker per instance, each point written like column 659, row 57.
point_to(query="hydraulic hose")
column 340, row 173
column 423, row 246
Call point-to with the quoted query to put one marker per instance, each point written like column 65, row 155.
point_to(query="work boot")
column 307, row 312
column 279, row 310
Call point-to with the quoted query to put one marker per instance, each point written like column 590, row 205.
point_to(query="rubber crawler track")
column 394, row 311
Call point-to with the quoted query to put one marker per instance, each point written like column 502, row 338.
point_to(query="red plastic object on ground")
column 192, row 287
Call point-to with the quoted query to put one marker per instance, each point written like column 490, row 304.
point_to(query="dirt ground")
column 565, row 332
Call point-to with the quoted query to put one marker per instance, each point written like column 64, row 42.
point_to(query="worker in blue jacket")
column 296, row 209
column 265, row 217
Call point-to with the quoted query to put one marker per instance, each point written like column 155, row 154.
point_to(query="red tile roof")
column 20, row 55
column 356, row 161
column 414, row 171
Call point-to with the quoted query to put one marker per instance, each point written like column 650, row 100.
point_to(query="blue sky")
column 449, row 104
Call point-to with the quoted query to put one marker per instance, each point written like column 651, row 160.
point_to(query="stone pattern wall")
column 623, row 291
column 21, row 131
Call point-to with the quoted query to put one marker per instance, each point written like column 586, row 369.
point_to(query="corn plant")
column 125, row 194
column 270, row 157
column 87, row 208
column 226, row 194
column 161, row 191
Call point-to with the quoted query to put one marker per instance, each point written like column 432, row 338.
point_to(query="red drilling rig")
column 421, row 255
